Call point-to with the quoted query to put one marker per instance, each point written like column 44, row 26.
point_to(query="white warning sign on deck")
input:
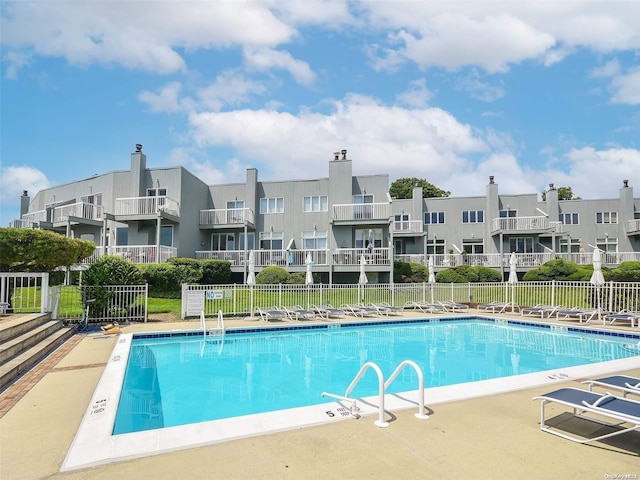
column 195, row 302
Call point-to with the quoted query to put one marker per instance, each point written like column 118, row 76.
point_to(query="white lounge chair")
column 453, row 306
column 269, row 314
column 633, row 317
column 298, row 313
column 328, row 311
column 384, row 308
column 623, row 411
column 496, row 307
column 624, row 383
column 425, row 307
column 542, row 310
column 356, row 310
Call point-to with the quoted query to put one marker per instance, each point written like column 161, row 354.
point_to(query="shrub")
column 486, row 274
column 272, row 275
column 215, row 272
column 297, row 278
column 450, row 275
column 626, row 272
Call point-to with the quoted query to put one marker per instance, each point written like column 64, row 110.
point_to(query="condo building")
column 336, row 222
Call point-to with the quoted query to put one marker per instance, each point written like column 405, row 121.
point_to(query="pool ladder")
column 382, row 387
column 216, row 332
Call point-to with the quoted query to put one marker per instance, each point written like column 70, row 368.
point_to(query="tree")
column 403, row 188
column 30, row 250
column 564, row 193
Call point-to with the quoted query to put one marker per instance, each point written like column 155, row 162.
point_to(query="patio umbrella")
column 251, row 277
column 513, row 278
column 432, row 276
column 597, row 279
column 363, row 275
column 309, row 277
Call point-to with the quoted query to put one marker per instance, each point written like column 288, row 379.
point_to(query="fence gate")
column 106, row 303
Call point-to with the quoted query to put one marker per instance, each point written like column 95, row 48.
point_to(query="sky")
column 531, row 92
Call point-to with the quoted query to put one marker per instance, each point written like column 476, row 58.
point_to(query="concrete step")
column 20, row 364
column 17, row 325
column 28, row 339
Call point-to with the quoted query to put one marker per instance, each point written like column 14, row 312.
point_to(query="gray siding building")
column 151, row 214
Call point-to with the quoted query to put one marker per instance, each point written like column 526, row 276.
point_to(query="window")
column 235, row 211
column 360, row 210
column 271, row 240
column 272, row 205
column 156, row 192
column 521, row 244
column 508, row 213
column 166, row 236
column 569, row 218
column 571, row 245
column 122, row 236
column 314, row 240
column 368, row 238
column 315, row 204
column 402, row 223
column 433, row 217
column 472, row 245
column 435, row 246
column 473, row 216
column 250, row 242
column 222, row 241
column 607, row 217
column 607, row 244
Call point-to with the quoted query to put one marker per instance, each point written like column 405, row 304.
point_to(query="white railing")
column 35, row 217
column 287, row 258
column 89, row 211
column 520, row 223
column 227, row 216
column 146, row 206
column 407, row 226
column 633, row 226
column 239, row 299
column 135, row 253
column 23, row 223
column 24, row 292
column 361, row 211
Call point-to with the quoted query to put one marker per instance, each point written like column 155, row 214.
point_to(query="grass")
column 164, row 305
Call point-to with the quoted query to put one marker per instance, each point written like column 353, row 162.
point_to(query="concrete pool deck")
column 496, row 436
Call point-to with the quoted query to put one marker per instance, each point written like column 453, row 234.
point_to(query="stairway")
column 25, row 340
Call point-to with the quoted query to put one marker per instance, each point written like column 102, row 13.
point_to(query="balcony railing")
column 22, row 223
column 146, row 206
column 136, row 253
column 407, row 227
column 520, row 224
column 89, row 211
column 361, row 211
column 227, row 216
column 633, row 226
column 298, row 258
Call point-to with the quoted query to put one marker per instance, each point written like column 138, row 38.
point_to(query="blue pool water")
column 179, row 380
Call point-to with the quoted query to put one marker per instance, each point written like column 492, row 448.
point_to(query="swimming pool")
column 180, row 380
column 95, row 443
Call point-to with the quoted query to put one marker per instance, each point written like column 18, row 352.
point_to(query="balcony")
column 146, row 254
column 521, row 224
column 349, row 257
column 23, row 223
column 146, row 206
column 227, row 217
column 361, row 213
column 633, row 227
column 79, row 210
column 407, row 228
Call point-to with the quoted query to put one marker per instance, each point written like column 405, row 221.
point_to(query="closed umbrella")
column 597, row 279
column 363, row 274
column 432, row 275
column 513, row 278
column 251, row 277
column 309, row 277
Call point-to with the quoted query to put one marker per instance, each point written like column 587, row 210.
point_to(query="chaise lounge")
column 624, row 383
column 624, row 412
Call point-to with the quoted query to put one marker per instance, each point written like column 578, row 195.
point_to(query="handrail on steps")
column 382, row 386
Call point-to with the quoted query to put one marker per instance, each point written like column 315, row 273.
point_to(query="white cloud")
column 137, row 35
column 165, row 100
column 479, row 89
column 266, row 59
column 418, row 95
column 608, row 70
column 15, row 179
column 626, row 88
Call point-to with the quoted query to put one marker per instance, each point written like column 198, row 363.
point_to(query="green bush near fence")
column 272, row 275
column 560, row 269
